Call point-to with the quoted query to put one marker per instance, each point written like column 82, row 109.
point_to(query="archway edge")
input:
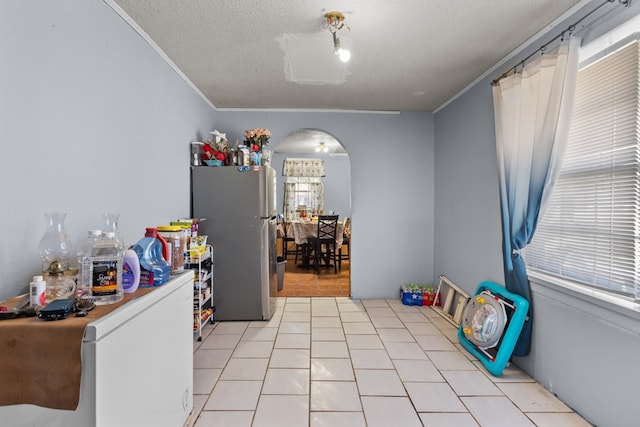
column 305, row 140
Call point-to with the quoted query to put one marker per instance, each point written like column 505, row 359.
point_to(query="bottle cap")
column 151, row 232
column 169, row 228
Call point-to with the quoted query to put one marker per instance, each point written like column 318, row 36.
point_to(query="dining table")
column 303, row 231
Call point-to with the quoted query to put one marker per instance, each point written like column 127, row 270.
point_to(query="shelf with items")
column 203, row 308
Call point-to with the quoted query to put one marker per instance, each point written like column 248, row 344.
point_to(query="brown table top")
column 40, row 361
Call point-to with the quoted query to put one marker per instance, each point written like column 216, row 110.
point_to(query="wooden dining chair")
column 346, row 236
column 287, row 241
column 324, row 245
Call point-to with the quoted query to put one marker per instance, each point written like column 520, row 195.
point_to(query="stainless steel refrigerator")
column 239, row 207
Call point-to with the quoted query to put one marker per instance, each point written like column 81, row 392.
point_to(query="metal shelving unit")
column 203, row 309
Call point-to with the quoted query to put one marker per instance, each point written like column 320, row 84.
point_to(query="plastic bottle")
column 130, row 271
column 186, row 227
column 37, row 294
column 154, row 269
column 106, row 269
column 174, row 237
column 166, row 254
column 84, row 261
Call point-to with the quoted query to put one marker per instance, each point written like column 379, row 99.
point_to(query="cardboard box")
column 429, row 297
column 411, row 296
column 415, row 294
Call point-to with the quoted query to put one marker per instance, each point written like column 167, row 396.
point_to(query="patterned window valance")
column 303, row 167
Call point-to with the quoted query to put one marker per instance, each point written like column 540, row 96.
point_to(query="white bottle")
column 84, row 261
column 106, row 269
column 37, row 292
column 130, row 271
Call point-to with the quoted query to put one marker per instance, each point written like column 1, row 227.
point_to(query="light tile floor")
column 338, row 362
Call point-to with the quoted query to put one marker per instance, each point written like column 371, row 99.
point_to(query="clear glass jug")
column 55, row 244
column 58, row 285
column 111, row 224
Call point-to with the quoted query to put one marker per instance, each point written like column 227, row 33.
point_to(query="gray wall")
column 95, row 121
column 337, row 183
column 468, row 237
column 584, row 349
column 92, row 120
column 391, row 189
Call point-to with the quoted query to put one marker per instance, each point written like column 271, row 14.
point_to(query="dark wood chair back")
column 327, row 227
column 325, row 242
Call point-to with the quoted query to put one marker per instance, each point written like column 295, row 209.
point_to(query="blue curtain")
column 532, row 114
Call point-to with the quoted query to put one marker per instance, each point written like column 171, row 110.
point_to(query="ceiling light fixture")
column 335, row 22
column 322, row 148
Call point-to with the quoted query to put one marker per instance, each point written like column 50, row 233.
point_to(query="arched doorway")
column 336, row 197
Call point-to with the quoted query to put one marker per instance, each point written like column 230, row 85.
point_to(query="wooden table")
column 304, row 230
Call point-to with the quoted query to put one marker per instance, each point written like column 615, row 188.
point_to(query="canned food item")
column 243, row 156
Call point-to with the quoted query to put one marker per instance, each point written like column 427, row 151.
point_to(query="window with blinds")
column 590, row 228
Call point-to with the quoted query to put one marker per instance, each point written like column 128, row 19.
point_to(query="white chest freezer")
column 137, row 366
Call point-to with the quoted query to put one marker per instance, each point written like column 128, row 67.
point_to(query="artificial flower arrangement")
column 256, row 139
column 218, row 149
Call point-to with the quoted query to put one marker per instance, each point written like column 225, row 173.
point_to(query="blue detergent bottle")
column 154, row 269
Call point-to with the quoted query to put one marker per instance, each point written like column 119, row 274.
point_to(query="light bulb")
column 344, row 55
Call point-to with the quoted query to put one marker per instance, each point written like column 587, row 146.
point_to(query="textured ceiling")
column 407, row 55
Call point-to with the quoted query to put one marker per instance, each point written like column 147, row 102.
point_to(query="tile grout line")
column 349, row 351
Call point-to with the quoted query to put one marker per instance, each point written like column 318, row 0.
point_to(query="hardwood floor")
column 308, row 283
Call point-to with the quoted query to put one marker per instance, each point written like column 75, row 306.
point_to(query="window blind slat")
column 590, row 230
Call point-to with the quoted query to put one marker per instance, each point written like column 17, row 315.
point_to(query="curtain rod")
column 569, row 30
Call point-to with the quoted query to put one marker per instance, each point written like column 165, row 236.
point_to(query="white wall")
column 391, row 189
column 583, row 350
column 92, row 120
